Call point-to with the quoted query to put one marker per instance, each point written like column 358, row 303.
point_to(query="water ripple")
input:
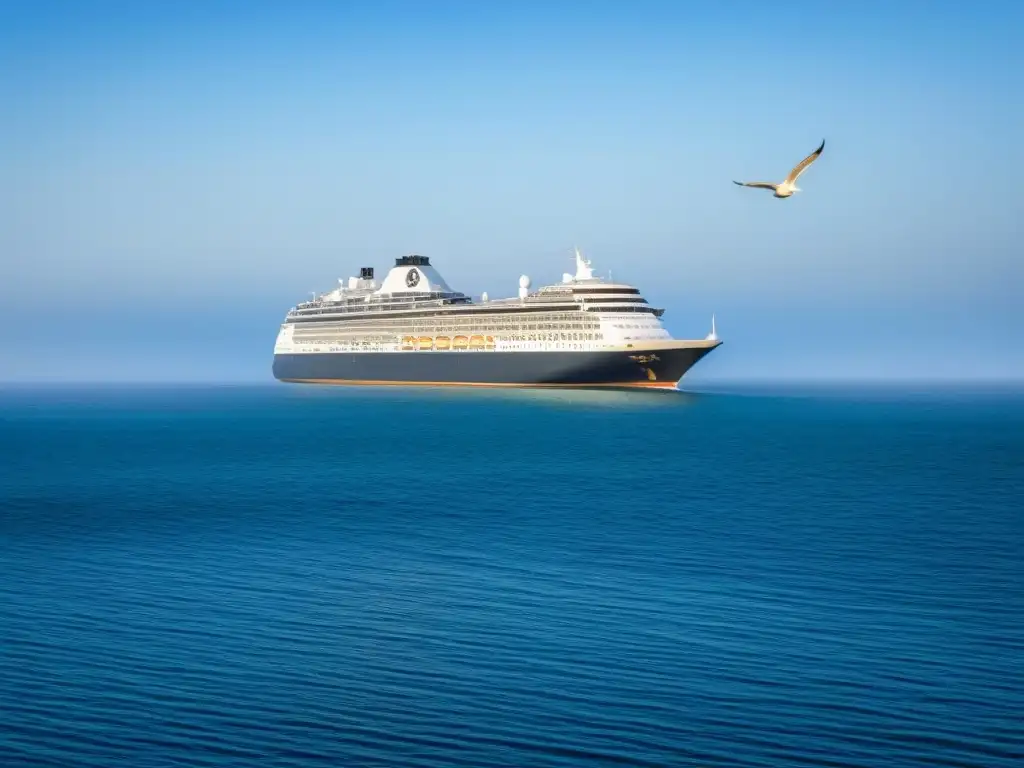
column 191, row 580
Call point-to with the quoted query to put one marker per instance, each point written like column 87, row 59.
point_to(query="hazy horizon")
column 172, row 180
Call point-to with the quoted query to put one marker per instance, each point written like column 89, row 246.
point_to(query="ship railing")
column 380, row 305
column 363, row 308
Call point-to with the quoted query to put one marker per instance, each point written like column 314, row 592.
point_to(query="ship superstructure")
column 412, row 328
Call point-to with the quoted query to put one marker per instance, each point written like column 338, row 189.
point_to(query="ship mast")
column 583, row 270
column 713, row 336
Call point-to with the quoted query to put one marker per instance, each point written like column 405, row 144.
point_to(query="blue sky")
column 174, row 176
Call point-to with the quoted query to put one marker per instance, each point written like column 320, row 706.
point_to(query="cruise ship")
column 411, row 328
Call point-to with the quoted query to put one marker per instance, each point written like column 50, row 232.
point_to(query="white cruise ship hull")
column 652, row 365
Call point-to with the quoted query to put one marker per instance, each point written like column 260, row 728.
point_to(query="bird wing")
column 758, row 184
column 803, row 164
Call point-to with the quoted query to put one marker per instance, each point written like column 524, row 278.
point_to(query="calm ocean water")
column 289, row 576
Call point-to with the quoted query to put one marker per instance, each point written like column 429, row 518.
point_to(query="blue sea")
column 303, row 576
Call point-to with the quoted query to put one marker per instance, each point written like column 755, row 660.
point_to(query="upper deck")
column 414, row 288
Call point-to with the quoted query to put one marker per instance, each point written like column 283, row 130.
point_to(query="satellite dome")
column 524, row 281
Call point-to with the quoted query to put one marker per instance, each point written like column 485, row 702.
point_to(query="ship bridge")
column 595, row 294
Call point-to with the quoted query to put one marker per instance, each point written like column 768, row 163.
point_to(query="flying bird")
column 787, row 187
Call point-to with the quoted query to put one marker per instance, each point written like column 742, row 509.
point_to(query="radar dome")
column 566, row 277
column 524, row 287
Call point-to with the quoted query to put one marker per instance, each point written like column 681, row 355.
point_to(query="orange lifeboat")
column 442, row 342
column 476, row 342
column 409, row 342
column 488, row 342
column 461, row 342
column 426, row 342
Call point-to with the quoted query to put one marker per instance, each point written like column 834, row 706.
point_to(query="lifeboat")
column 476, row 342
column 461, row 342
column 409, row 342
column 442, row 342
column 426, row 342
column 488, row 342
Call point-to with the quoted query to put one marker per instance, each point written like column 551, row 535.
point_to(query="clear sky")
column 175, row 176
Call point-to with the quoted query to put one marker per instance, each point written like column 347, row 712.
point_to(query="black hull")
column 657, row 367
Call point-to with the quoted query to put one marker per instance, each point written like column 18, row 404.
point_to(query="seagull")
column 787, row 187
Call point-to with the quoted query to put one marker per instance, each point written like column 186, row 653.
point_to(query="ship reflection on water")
column 556, row 397
column 591, row 398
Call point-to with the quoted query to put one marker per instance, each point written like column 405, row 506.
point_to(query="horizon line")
column 683, row 385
